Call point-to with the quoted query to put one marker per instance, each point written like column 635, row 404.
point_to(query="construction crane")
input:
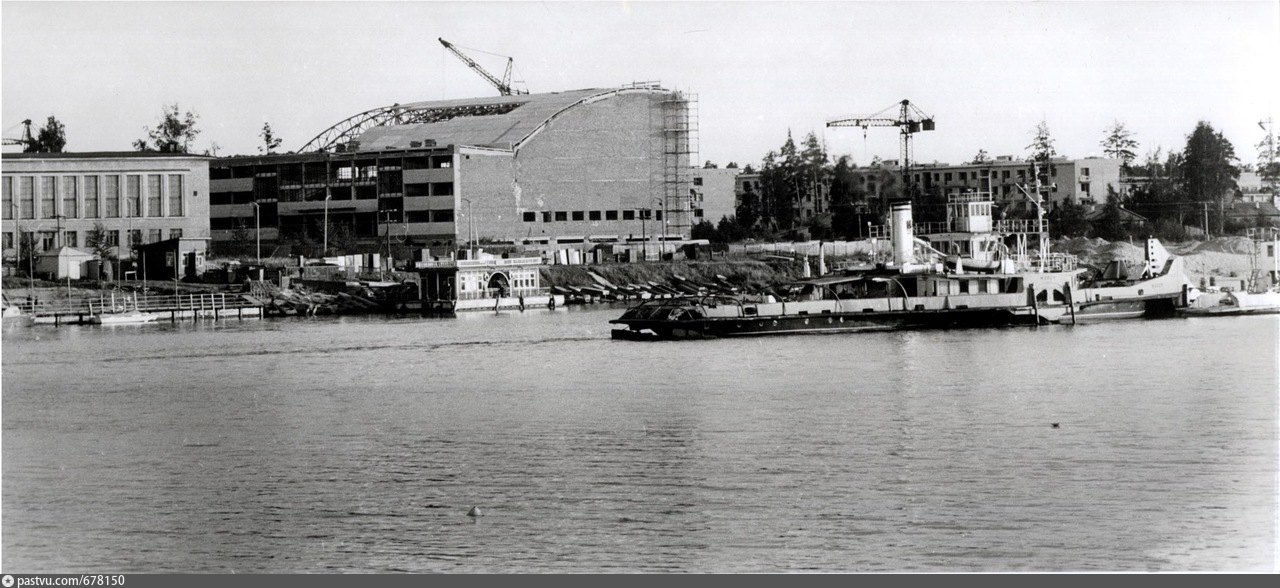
column 910, row 121
column 28, row 144
column 503, row 85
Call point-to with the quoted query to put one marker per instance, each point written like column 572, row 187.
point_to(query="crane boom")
column 503, row 85
column 910, row 120
column 28, row 143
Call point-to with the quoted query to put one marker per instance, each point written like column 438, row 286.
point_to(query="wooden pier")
column 216, row 306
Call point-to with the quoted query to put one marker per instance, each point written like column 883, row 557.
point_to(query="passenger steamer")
column 970, row 272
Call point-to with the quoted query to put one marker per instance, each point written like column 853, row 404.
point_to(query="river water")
column 359, row 444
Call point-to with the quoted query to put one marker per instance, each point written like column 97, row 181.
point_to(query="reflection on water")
column 358, row 444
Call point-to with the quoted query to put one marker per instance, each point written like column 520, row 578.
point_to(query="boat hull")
column 848, row 322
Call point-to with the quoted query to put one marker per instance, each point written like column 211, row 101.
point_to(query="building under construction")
column 595, row 165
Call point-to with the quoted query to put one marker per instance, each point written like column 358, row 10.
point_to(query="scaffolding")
column 679, row 152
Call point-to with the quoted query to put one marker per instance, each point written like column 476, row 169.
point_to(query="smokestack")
column 903, row 239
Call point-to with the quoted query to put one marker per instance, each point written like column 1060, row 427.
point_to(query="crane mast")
column 28, row 143
column 910, row 120
column 503, row 85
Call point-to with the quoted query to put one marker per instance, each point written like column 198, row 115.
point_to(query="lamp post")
column 471, row 254
column 662, row 205
column 327, row 195
column 257, row 231
column 644, row 238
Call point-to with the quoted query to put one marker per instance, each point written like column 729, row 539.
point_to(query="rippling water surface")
column 358, row 444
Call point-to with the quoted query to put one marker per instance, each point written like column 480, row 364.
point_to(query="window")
column 1004, row 174
column 530, row 217
column 546, row 216
column 8, row 240
column 415, row 190
column 48, row 240
column 562, row 215
column 628, row 215
column 593, row 215
column 657, row 214
column 133, row 196
column 70, row 200
column 417, row 216
column 70, row 239
column 111, row 196
column 611, row 215
column 135, row 237
column 697, row 212
column 153, row 235
column 27, row 197
column 8, row 201
column 153, row 195
column 579, row 215
column 947, row 176
column 113, row 238
column 697, row 181
column 48, row 198
column 1084, row 189
column 442, row 216
column 91, row 196
column 1084, row 172
column 175, row 195
column 442, row 189
column 175, row 233
column 442, row 161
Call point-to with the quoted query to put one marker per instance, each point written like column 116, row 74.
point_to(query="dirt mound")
column 1237, row 245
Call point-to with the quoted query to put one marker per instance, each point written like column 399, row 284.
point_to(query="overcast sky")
column 988, row 72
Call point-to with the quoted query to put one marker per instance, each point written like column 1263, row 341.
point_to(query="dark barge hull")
column 847, row 322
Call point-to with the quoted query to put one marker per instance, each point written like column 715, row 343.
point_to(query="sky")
column 988, row 72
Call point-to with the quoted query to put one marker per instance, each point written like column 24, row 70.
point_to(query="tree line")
column 1169, row 190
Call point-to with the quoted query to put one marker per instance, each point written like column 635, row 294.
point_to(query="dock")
column 215, row 306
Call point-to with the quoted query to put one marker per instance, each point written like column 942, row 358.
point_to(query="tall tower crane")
column 503, row 85
column 911, row 120
column 27, row 142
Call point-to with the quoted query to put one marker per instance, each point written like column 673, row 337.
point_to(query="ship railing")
column 180, row 302
column 1019, row 225
column 969, row 197
column 931, row 228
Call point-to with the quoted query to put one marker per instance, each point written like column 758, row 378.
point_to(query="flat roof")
column 103, row 155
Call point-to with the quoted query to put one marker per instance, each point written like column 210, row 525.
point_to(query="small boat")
column 122, row 317
column 14, row 315
column 120, row 314
column 1233, row 304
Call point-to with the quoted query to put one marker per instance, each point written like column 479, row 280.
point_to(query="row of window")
column 320, row 171
column 48, row 240
column 549, row 216
column 345, row 193
column 47, row 197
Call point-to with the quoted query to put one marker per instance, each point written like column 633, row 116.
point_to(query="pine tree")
column 269, row 140
column 1119, row 144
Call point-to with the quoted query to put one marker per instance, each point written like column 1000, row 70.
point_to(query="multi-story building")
column 564, row 167
column 1080, row 181
column 143, row 197
column 712, row 193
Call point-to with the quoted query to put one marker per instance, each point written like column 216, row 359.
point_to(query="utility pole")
column 1206, row 219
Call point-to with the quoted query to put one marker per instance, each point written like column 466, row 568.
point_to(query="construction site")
column 552, row 171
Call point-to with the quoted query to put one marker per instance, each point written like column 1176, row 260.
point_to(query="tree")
column 982, row 157
column 1041, row 146
column 709, row 165
column 1110, row 225
column 705, row 230
column 1209, row 171
column 52, row 137
column 847, row 199
column 242, row 241
column 269, row 140
column 1268, row 166
column 1119, row 144
column 1068, row 220
column 729, row 230
column 732, row 165
column 174, row 134
column 102, row 248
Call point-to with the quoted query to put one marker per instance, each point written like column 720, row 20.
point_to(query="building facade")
column 565, row 167
column 712, row 194
column 1079, row 181
column 144, row 197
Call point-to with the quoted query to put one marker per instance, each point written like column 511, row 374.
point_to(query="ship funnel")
column 903, row 239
